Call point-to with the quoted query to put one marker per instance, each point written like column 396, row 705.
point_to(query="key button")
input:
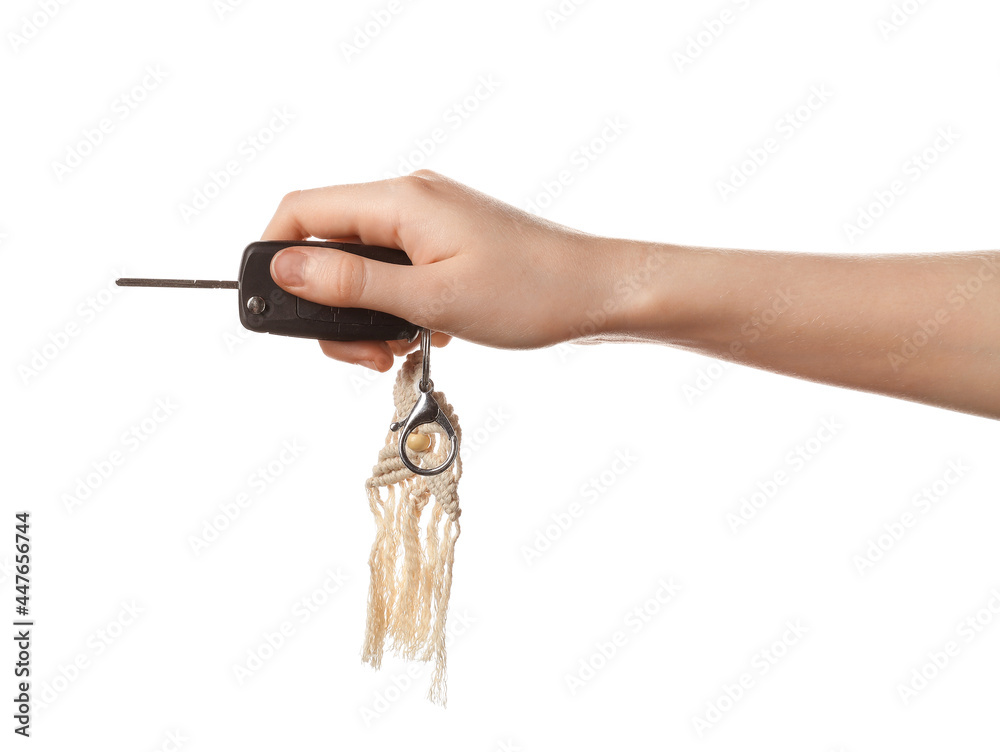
column 354, row 316
column 306, row 309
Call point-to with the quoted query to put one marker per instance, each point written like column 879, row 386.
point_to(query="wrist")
column 671, row 294
column 641, row 299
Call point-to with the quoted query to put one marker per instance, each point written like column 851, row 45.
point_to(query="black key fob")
column 265, row 307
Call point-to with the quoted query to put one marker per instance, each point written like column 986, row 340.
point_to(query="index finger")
column 371, row 212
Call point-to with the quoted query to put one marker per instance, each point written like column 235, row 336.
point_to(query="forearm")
column 919, row 327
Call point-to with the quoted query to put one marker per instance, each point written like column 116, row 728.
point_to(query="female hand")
column 482, row 270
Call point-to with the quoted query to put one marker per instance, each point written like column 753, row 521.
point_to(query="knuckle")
column 288, row 201
column 408, row 198
column 346, row 278
column 420, row 185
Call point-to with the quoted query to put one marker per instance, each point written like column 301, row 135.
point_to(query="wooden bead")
column 418, row 442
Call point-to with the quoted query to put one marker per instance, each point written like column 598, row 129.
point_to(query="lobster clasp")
column 425, row 411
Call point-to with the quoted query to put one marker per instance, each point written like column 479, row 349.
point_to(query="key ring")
column 425, row 411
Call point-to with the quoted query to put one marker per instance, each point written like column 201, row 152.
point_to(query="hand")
column 482, row 270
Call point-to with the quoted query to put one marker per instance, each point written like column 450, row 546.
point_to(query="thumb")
column 337, row 278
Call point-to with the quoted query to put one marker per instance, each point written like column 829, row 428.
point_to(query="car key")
column 265, row 307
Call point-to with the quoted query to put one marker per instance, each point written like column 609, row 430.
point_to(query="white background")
column 563, row 414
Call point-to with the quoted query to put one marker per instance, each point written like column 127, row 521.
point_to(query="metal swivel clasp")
column 425, row 411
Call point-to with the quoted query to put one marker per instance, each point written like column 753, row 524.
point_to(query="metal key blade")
column 189, row 283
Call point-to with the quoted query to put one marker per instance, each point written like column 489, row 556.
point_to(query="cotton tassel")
column 410, row 563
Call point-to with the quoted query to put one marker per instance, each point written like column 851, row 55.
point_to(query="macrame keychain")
column 410, row 567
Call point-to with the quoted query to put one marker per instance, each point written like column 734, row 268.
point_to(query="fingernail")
column 369, row 364
column 289, row 266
